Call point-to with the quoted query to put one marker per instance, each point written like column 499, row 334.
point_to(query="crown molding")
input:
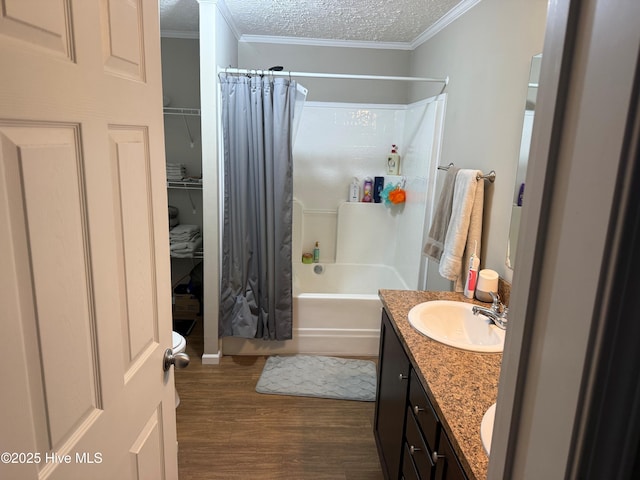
column 226, row 15
column 320, row 42
column 453, row 14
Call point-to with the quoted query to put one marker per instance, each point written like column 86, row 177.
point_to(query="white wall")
column 487, row 55
column 304, row 58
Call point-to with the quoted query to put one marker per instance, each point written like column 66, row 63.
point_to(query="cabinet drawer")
column 408, row 468
column 416, row 447
column 423, row 411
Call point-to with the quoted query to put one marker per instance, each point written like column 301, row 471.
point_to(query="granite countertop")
column 461, row 385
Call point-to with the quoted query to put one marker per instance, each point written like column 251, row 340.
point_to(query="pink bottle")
column 368, row 190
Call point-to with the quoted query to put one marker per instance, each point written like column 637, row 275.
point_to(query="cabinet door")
column 391, row 399
column 448, row 467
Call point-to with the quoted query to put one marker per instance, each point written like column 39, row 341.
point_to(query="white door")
column 84, row 254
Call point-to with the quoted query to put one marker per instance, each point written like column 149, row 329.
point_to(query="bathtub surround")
column 255, row 298
column 340, row 141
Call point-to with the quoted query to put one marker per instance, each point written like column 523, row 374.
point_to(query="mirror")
column 523, row 159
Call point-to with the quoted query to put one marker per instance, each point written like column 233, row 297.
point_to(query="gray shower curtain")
column 256, row 290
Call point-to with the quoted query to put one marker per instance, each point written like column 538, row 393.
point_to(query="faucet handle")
column 496, row 301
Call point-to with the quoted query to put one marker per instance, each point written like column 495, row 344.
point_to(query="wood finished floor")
column 228, row 431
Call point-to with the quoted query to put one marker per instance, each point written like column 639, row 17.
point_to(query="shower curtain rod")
column 244, row 71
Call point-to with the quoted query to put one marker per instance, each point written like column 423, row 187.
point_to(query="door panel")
column 130, row 159
column 51, row 223
column 45, row 24
column 146, row 452
column 124, row 44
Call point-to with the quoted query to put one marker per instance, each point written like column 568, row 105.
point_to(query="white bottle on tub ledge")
column 354, row 190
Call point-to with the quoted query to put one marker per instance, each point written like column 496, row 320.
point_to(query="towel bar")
column 491, row 176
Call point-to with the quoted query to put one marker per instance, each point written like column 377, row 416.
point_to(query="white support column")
column 210, row 176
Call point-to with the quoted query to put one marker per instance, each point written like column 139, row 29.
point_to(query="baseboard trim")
column 337, row 342
column 211, row 358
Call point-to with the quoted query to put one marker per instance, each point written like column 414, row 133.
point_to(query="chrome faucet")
column 497, row 313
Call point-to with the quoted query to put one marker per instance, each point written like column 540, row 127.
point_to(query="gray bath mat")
column 318, row 376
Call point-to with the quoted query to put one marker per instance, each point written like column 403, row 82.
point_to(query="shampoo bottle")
column 378, row 186
column 368, row 190
column 472, row 275
column 393, row 161
column 316, row 254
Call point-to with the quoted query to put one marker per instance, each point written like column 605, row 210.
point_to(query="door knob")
column 180, row 360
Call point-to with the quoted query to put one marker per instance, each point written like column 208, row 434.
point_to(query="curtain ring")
column 225, row 73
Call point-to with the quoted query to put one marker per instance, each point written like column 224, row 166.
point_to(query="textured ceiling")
column 353, row 20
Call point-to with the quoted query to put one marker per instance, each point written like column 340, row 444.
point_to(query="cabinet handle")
column 435, row 456
column 402, row 377
column 417, row 409
column 413, row 449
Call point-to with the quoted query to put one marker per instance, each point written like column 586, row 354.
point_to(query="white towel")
column 183, row 229
column 465, row 227
column 187, row 249
column 176, row 171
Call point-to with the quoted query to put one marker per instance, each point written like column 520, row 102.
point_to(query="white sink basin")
column 453, row 324
column 486, row 428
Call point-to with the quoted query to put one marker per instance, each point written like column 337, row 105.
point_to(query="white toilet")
column 179, row 346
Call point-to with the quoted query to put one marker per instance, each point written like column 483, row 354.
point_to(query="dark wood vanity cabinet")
column 391, row 399
column 411, row 442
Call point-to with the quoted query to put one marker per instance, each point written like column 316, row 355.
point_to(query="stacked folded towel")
column 176, row 171
column 185, row 240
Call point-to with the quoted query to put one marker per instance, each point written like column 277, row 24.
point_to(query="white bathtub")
column 335, row 312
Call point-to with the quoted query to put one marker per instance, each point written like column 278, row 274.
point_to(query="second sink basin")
column 486, row 428
column 453, row 324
